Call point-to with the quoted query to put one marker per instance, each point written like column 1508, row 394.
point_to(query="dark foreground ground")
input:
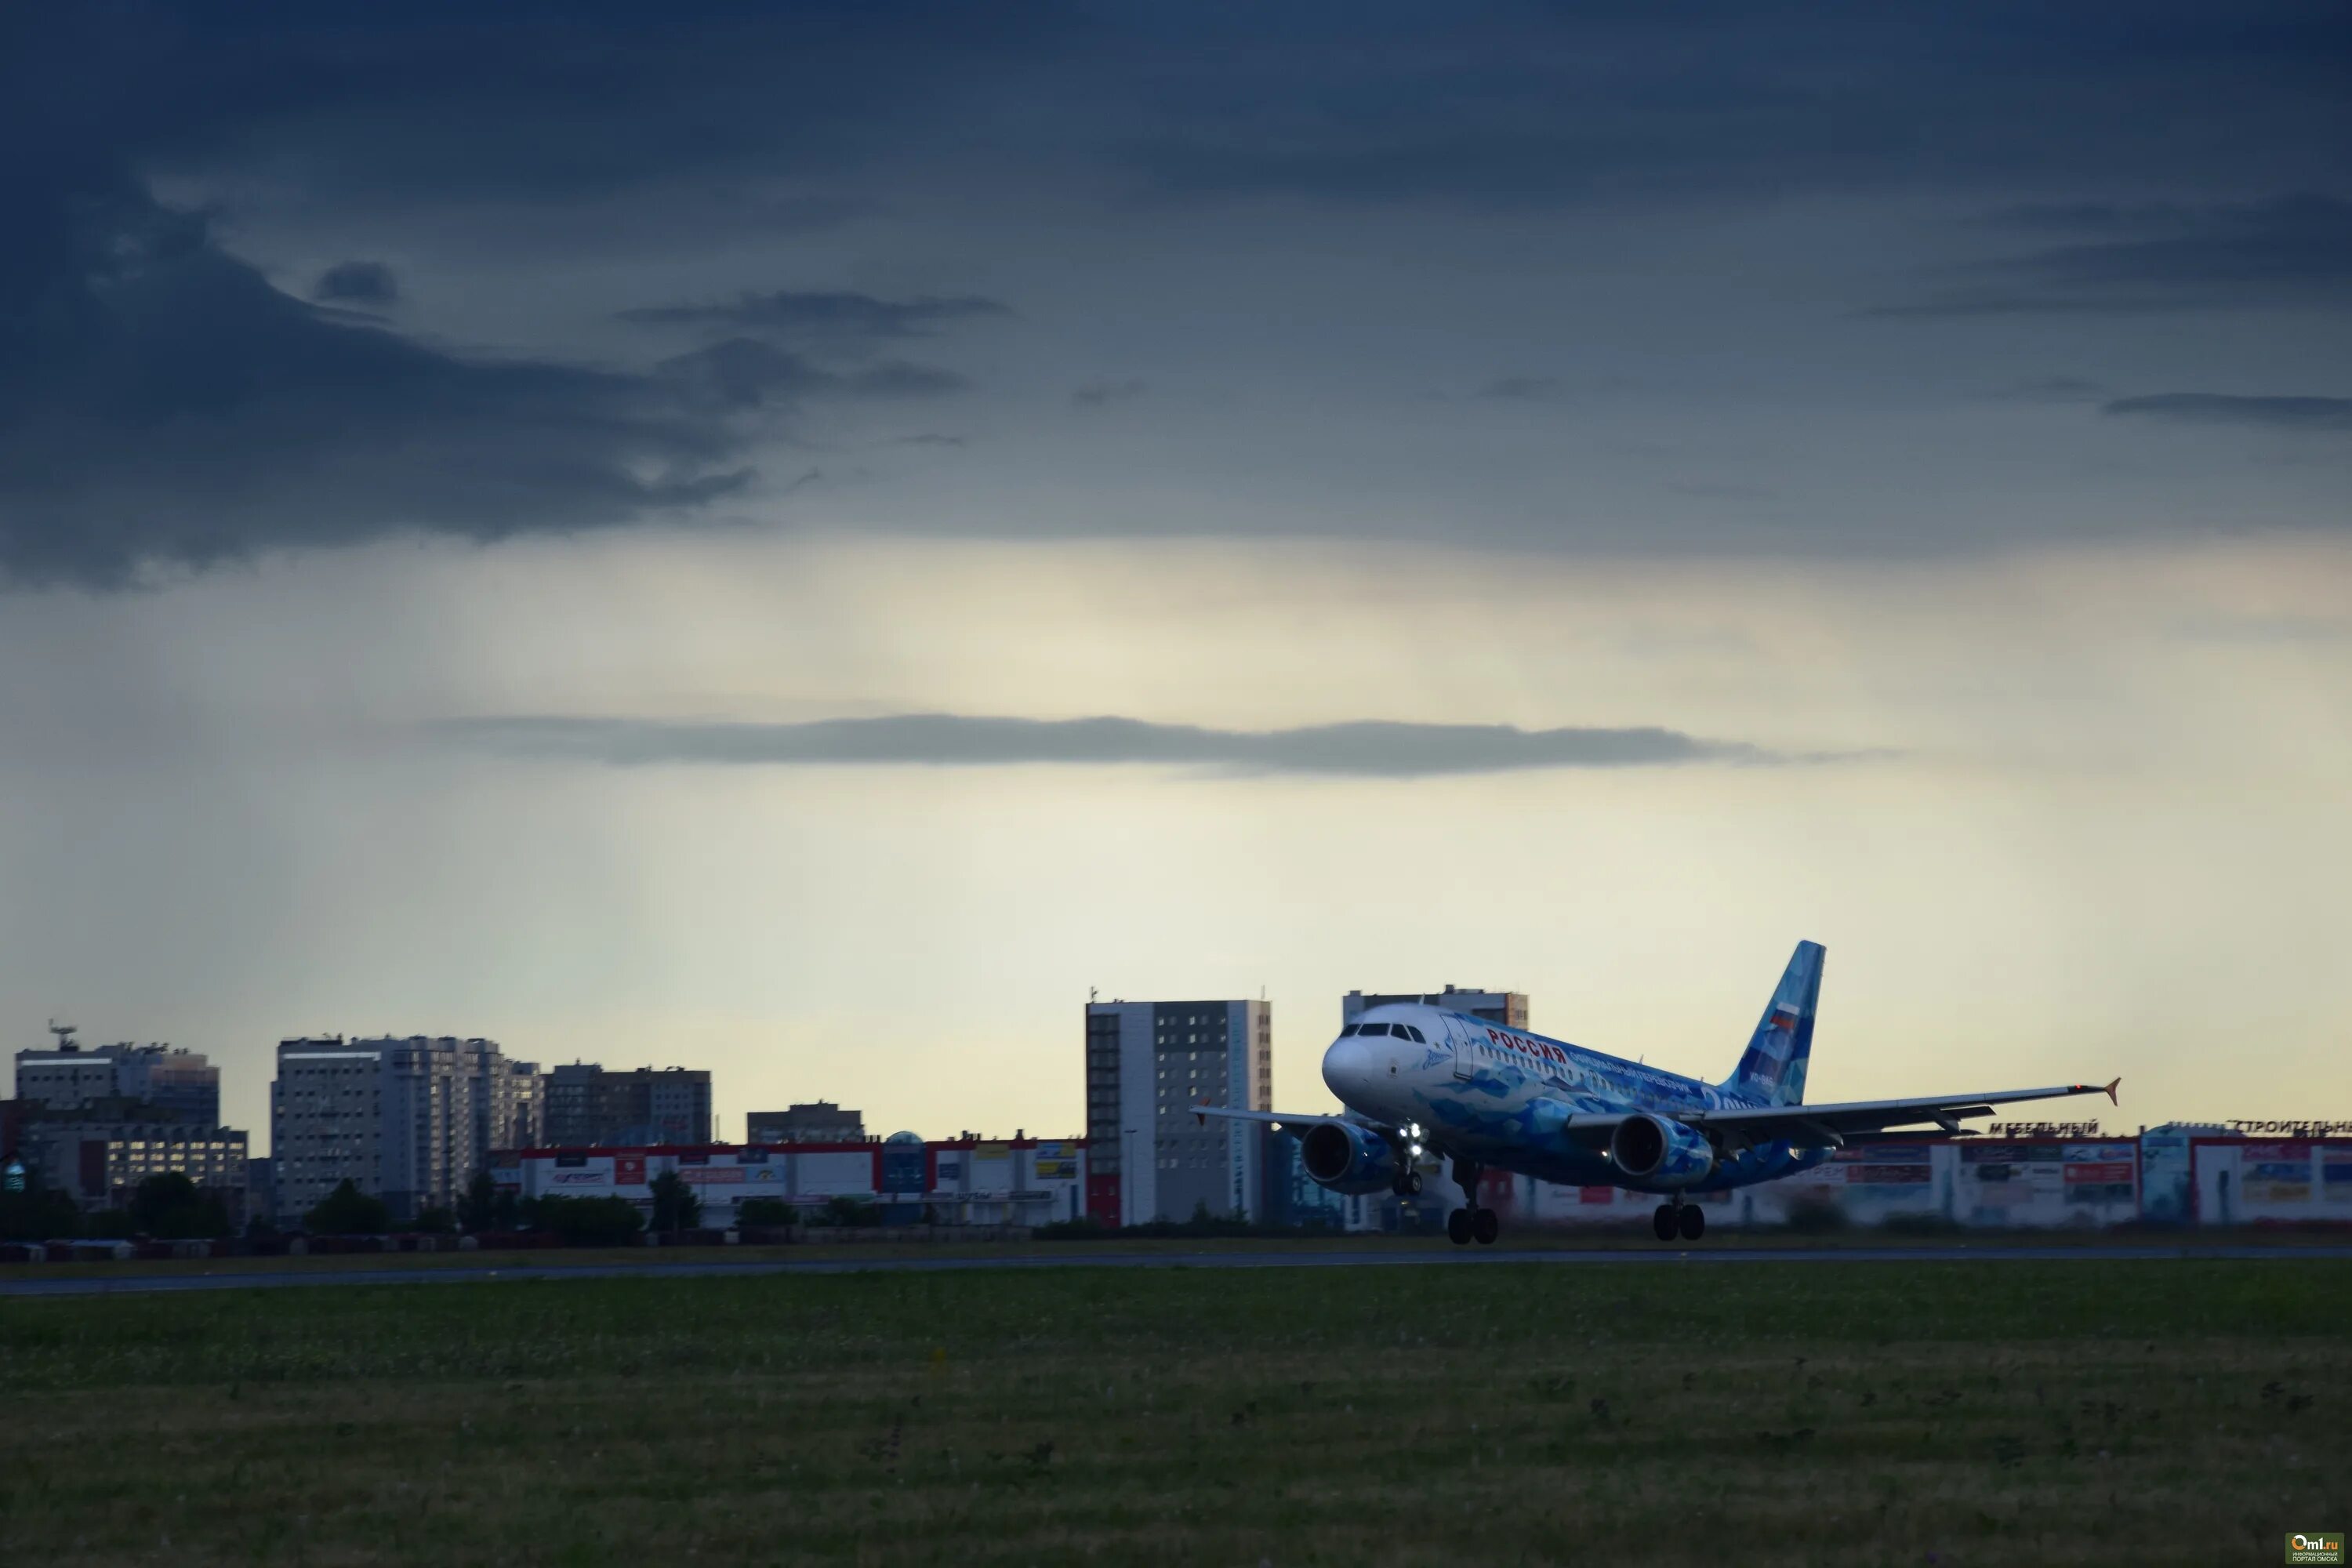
column 1997, row 1413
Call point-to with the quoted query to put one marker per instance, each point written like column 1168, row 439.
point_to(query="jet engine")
column 1660, row 1154
column 1348, row 1158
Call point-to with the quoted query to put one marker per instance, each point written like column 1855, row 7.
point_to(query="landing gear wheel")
column 1693, row 1220
column 1458, row 1228
column 1407, row 1185
column 1486, row 1226
column 1663, row 1223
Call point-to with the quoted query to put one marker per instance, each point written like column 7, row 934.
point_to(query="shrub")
column 766, row 1212
column 347, row 1211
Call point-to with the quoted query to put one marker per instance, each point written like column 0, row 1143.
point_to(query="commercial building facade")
column 978, row 1181
column 101, row 1164
column 1148, row 1065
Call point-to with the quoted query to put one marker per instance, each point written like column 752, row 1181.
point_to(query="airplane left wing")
column 1282, row 1121
column 1830, row 1125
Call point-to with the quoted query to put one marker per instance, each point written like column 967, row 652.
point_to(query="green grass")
column 1985, row 1412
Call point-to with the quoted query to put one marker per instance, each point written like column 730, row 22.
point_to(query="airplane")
column 1418, row 1082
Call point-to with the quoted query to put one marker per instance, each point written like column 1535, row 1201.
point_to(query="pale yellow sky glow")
column 2084, row 815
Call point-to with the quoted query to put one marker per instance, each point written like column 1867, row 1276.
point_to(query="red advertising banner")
column 628, row 1169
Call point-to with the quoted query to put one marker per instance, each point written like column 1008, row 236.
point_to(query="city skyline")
column 796, row 544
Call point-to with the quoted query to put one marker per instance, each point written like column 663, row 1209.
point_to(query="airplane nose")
column 1349, row 1067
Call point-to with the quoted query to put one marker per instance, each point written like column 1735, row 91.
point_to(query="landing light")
column 1416, row 1151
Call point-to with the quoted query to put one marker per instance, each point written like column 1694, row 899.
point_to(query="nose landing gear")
column 1677, row 1217
column 1407, row 1185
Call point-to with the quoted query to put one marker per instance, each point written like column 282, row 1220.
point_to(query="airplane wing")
column 1300, row 1121
column 1832, row 1123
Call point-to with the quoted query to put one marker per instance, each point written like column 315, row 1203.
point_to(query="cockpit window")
column 1376, row 1028
column 1346, row 1032
column 1409, row 1029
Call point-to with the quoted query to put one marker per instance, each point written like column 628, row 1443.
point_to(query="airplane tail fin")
column 1772, row 1069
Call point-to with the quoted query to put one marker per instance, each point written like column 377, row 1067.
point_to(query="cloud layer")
column 1367, row 749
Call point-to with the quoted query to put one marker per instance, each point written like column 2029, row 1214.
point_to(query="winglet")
column 2111, row 1092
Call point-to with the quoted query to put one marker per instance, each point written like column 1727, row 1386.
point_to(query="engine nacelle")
column 1347, row 1158
column 1660, row 1154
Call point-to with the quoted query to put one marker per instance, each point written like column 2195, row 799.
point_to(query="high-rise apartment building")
column 157, row 1082
column 409, row 1120
column 1508, row 1009
column 1148, row 1064
column 589, row 1107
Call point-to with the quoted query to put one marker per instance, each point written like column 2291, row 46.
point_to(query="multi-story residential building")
column 816, row 1121
column 166, row 1083
column 589, row 1107
column 1508, row 1009
column 409, row 1120
column 1148, row 1064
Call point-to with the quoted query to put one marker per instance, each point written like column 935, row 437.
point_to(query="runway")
column 26, row 1280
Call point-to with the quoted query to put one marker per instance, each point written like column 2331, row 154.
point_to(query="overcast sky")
column 798, row 541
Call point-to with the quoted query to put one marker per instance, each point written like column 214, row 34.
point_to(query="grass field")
column 2096, row 1413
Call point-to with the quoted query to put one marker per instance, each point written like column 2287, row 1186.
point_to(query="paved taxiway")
column 29, row 1282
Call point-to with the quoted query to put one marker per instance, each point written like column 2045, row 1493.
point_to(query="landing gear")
column 1676, row 1217
column 1463, row 1227
column 1407, row 1185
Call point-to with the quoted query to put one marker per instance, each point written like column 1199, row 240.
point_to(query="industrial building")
column 406, row 1119
column 1507, row 1008
column 588, row 1107
column 1148, row 1064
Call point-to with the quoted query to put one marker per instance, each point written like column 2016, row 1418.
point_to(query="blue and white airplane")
column 1420, row 1082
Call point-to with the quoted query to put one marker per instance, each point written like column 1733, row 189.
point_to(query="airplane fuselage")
column 1504, row 1098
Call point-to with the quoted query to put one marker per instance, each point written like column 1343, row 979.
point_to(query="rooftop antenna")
column 1090, row 996
column 65, row 1034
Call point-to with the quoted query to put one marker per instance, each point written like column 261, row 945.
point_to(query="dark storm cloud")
column 1367, row 750
column 2331, row 415
column 162, row 403
column 1098, row 394
column 1508, row 107
column 356, row 283
column 822, row 313
column 2290, row 251
column 1524, row 389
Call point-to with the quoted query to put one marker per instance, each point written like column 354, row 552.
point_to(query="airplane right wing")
column 1830, row 1125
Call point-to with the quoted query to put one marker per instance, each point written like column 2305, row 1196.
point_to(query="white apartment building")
column 407, row 1119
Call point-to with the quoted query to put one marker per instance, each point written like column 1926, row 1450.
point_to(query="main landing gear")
column 1470, row 1224
column 1677, row 1217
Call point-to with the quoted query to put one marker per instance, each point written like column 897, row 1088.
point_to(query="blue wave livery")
column 1423, row 1084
